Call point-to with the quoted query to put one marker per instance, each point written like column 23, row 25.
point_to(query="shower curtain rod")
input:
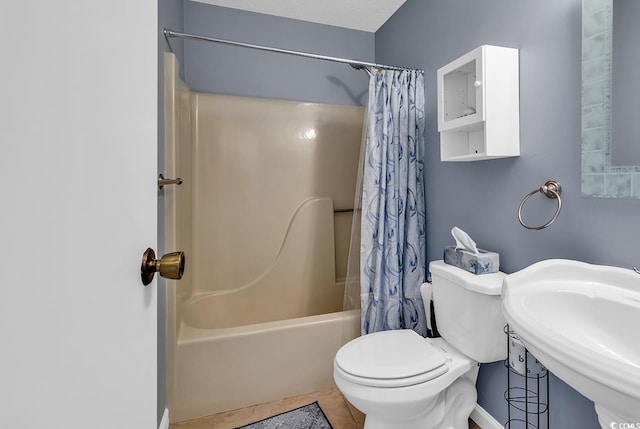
column 358, row 65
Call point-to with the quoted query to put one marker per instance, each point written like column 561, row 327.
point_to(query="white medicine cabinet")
column 478, row 105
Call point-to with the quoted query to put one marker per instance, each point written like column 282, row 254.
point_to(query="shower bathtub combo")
column 264, row 217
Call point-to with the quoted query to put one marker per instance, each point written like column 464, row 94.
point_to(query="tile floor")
column 340, row 413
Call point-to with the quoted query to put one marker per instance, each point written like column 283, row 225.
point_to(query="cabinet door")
column 461, row 92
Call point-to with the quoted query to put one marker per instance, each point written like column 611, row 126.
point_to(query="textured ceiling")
column 364, row 15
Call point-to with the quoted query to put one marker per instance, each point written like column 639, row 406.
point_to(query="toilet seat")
column 396, row 358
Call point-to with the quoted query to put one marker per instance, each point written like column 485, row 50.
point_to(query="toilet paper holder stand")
column 527, row 392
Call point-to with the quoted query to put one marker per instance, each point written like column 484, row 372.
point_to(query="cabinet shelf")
column 465, row 123
column 468, row 157
column 478, row 105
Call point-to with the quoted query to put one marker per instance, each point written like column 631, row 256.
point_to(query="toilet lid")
column 390, row 355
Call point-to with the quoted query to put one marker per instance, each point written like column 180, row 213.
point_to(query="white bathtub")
column 254, row 318
column 224, row 369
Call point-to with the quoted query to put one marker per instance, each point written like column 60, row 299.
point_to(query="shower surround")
column 264, row 217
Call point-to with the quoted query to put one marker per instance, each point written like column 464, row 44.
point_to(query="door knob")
column 170, row 266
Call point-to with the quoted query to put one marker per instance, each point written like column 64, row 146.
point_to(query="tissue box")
column 482, row 263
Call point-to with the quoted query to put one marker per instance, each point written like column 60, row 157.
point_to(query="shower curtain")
column 392, row 234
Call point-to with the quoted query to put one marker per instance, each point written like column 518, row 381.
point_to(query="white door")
column 78, row 145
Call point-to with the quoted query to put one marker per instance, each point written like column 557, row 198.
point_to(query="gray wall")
column 482, row 197
column 169, row 16
column 239, row 71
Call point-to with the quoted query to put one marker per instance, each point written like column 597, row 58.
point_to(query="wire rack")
column 527, row 393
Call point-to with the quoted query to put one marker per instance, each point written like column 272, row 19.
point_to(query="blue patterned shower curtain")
column 392, row 247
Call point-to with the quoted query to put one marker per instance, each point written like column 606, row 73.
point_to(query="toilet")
column 401, row 380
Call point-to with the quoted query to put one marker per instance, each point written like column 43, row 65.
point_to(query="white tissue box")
column 482, row 263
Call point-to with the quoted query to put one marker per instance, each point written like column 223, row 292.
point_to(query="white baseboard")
column 164, row 423
column 484, row 419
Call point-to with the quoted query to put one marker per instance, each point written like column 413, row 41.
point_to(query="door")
column 78, row 142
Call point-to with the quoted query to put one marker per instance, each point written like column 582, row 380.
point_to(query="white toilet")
column 401, row 380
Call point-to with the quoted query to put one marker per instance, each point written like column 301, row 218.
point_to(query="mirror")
column 610, row 131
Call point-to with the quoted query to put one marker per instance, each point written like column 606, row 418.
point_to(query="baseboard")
column 484, row 419
column 164, row 423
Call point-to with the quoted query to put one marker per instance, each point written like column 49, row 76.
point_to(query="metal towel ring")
column 551, row 189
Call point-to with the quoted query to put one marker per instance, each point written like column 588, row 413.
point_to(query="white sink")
column 582, row 322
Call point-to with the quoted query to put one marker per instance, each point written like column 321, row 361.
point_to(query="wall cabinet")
column 478, row 105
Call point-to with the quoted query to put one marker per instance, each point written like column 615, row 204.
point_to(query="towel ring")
column 551, row 189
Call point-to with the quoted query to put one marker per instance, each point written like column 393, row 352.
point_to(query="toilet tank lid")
column 488, row 284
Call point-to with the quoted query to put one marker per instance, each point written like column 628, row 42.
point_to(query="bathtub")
column 224, row 369
column 255, row 317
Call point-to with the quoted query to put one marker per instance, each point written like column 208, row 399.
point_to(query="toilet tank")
column 468, row 311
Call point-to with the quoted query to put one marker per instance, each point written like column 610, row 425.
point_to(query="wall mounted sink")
column 582, row 322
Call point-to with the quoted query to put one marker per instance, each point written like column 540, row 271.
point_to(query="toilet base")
column 449, row 410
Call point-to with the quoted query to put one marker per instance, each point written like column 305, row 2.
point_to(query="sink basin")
column 582, row 322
